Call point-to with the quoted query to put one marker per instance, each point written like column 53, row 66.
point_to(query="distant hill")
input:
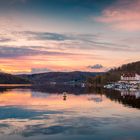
column 93, row 78
column 114, row 74
column 12, row 79
column 59, row 77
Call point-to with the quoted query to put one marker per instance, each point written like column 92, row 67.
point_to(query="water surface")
column 43, row 113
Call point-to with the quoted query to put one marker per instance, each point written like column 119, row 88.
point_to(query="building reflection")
column 130, row 94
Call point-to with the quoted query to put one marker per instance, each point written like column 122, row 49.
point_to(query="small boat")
column 64, row 96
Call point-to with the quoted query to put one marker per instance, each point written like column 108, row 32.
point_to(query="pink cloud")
column 124, row 15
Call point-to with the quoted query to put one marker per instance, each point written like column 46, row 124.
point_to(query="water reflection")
column 130, row 94
column 96, row 98
column 125, row 97
column 68, row 113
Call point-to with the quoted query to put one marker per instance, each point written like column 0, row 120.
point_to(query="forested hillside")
column 12, row 79
column 60, row 77
column 114, row 74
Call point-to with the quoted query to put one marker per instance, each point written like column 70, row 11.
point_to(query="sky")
column 68, row 35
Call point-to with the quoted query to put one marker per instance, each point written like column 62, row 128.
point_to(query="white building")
column 130, row 78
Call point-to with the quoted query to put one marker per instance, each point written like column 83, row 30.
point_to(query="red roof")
column 129, row 75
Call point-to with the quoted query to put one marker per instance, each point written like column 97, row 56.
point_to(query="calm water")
column 42, row 113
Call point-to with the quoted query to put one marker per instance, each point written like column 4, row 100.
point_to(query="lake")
column 44, row 113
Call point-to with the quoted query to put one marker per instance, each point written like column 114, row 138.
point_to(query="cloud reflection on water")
column 30, row 114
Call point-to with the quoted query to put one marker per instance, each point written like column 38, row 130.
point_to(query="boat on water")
column 130, row 81
column 120, row 86
column 64, row 96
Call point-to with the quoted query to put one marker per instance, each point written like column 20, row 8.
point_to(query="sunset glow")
column 45, row 35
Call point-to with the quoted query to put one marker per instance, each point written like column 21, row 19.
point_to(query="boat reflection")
column 130, row 94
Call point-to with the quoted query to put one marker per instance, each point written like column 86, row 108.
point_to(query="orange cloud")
column 55, row 63
column 124, row 15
